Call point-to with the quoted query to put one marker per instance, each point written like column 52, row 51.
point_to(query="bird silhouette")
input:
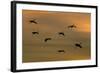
column 61, row 51
column 46, row 39
column 78, row 45
column 61, row 33
column 72, row 26
column 35, row 32
column 33, row 21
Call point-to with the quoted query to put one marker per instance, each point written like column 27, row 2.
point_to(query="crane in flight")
column 72, row 26
column 35, row 33
column 61, row 33
column 33, row 21
column 61, row 51
column 78, row 45
column 46, row 39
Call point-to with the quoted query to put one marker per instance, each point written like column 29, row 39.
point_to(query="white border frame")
column 37, row 65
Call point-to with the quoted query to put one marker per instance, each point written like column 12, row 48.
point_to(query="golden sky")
column 49, row 24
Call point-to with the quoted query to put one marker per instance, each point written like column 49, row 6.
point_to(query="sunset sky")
column 49, row 23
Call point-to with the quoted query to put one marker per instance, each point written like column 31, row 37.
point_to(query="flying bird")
column 61, row 33
column 33, row 21
column 46, row 39
column 78, row 45
column 61, row 51
column 72, row 26
column 35, row 32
